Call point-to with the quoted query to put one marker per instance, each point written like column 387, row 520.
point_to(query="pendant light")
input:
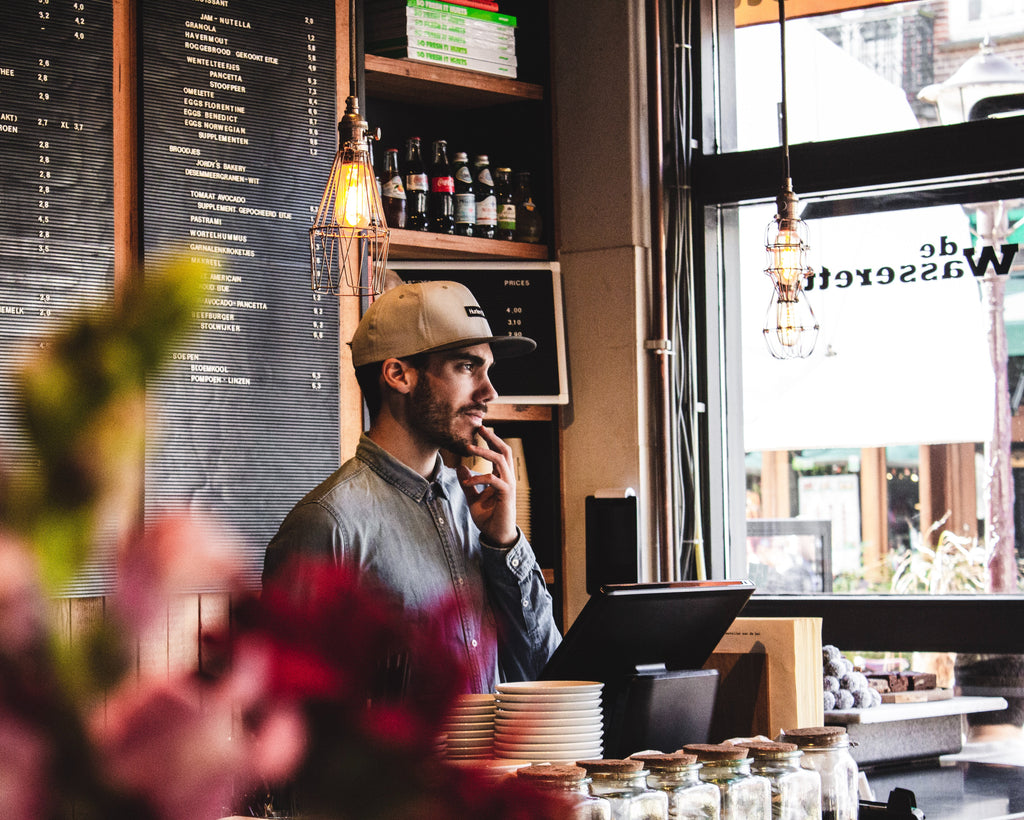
column 790, row 327
column 348, row 243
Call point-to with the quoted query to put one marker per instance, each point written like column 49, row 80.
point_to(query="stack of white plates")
column 548, row 721
column 469, row 728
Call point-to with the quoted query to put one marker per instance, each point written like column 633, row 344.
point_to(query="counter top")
column 985, row 781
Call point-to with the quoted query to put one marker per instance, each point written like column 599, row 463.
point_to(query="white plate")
column 571, row 709
column 473, row 710
column 591, row 738
column 532, row 748
column 467, row 726
column 551, row 757
column 470, row 743
column 457, row 735
column 523, row 727
column 473, row 700
column 547, row 697
column 549, row 686
column 553, row 721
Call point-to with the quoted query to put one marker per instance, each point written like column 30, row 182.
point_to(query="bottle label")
column 484, row 177
column 507, row 217
column 462, row 174
column 417, row 182
column 393, row 188
column 487, row 211
column 465, row 209
column 442, row 185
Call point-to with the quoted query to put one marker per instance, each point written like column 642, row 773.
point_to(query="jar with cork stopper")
column 571, row 784
column 826, row 750
column 745, row 796
column 623, row 783
column 796, row 791
column 678, row 775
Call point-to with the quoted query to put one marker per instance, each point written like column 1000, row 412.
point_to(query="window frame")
column 958, row 158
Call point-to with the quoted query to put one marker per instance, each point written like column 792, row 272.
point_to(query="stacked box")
column 442, row 33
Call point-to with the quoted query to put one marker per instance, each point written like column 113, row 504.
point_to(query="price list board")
column 238, row 134
column 56, row 182
column 518, row 299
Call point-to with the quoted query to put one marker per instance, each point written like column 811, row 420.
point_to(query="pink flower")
column 26, row 756
column 180, row 552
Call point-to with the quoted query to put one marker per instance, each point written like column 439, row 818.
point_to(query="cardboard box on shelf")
column 782, row 691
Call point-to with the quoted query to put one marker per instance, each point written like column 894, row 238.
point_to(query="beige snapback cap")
column 425, row 317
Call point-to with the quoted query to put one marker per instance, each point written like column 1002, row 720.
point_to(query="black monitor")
column 647, row 643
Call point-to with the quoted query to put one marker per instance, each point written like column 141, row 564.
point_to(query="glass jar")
column 745, row 796
column 623, row 783
column 796, row 791
column 826, row 750
column 678, row 775
column 571, row 784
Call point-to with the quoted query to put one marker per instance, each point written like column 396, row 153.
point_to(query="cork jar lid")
column 545, row 773
column 769, row 748
column 715, row 751
column 611, row 766
column 811, row 736
column 677, row 761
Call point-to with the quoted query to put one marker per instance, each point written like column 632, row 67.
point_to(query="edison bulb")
column 352, row 208
column 790, row 327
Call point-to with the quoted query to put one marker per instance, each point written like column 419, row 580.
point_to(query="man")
column 422, row 353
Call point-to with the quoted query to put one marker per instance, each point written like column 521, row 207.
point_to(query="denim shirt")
column 417, row 537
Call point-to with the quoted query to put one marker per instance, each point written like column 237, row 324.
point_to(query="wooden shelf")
column 519, row 412
column 425, row 245
column 407, row 81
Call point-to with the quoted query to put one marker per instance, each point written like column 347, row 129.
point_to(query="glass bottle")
column 572, row 785
column 529, row 225
column 486, row 203
column 678, row 775
column 745, row 796
column 826, row 750
column 623, row 783
column 392, row 192
column 506, row 206
column 416, row 186
column 465, row 198
column 441, row 200
column 796, row 791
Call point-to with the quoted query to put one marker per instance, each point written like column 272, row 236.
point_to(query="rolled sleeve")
column 523, row 608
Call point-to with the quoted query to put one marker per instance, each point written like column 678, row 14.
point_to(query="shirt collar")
column 403, row 477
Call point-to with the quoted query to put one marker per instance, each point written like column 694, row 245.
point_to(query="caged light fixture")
column 348, row 243
column 790, row 327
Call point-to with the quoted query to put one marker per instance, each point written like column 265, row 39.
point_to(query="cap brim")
column 502, row 347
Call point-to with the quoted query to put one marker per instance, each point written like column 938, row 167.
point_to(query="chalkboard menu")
column 56, row 183
column 238, row 133
column 518, row 299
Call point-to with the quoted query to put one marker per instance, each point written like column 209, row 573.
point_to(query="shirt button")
column 473, row 643
column 514, row 562
column 526, row 603
column 440, row 520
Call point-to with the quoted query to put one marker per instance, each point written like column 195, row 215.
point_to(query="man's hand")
column 492, row 496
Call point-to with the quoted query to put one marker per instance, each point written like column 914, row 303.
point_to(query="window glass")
column 887, row 431
column 860, row 71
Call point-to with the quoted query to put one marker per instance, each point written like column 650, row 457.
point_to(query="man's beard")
column 434, row 420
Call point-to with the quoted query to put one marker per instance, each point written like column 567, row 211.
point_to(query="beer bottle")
column 416, row 186
column 392, row 194
column 486, row 203
column 465, row 199
column 506, row 207
column 441, row 200
column 529, row 226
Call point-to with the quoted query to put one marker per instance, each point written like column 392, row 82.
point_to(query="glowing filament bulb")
column 787, row 323
column 352, row 207
column 787, row 254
